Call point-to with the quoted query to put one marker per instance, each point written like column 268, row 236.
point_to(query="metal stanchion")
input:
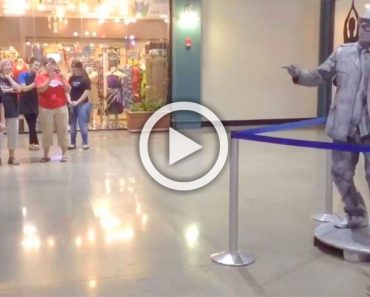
column 328, row 216
column 233, row 257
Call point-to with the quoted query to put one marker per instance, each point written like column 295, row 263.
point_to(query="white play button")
column 180, row 146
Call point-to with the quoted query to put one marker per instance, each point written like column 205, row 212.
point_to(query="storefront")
column 123, row 45
column 220, row 55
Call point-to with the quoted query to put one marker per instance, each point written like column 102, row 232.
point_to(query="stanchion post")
column 233, row 257
column 328, row 216
column 329, row 184
column 234, row 191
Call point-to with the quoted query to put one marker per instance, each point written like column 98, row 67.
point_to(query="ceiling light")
column 71, row 6
column 189, row 18
column 41, row 7
column 84, row 8
column 15, row 7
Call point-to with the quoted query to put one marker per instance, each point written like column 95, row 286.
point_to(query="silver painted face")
column 364, row 32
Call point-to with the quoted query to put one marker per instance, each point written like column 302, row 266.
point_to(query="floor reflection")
column 109, row 219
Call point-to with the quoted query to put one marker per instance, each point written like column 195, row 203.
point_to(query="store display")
column 119, row 75
column 19, row 67
column 115, row 62
column 156, row 77
column 137, row 75
column 127, row 86
column 8, row 53
column 115, row 102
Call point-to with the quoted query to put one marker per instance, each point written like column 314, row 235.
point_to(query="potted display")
column 139, row 113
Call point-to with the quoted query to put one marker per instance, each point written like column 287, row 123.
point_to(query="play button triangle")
column 180, row 146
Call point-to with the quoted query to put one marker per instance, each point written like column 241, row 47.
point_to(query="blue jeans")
column 80, row 113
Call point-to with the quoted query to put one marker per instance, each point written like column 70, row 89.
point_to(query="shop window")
column 123, row 45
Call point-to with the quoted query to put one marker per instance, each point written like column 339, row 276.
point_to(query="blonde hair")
column 3, row 63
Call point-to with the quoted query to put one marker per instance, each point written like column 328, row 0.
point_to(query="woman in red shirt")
column 52, row 88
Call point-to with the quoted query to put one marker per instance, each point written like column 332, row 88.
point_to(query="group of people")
column 44, row 92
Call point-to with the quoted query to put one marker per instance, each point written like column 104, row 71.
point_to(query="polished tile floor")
column 99, row 226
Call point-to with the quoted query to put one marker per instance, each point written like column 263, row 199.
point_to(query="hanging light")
column 15, row 7
column 41, row 7
column 84, row 8
column 189, row 18
column 71, row 6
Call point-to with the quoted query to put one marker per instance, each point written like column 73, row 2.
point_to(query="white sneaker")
column 33, row 147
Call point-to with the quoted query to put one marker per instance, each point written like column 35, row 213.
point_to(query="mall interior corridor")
column 99, row 226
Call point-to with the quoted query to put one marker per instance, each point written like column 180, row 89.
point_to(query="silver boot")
column 352, row 222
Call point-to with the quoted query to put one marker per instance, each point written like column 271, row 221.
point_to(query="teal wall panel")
column 186, row 63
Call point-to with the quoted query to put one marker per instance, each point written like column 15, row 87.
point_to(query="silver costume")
column 348, row 119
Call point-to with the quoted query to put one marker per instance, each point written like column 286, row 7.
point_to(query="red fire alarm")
column 188, row 43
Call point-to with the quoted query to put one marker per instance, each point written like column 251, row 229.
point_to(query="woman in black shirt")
column 28, row 104
column 9, row 93
column 80, row 90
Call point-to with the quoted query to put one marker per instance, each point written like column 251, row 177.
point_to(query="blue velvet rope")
column 280, row 127
column 253, row 134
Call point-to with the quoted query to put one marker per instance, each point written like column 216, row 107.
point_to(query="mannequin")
column 94, row 97
column 114, row 97
column 348, row 119
column 141, row 7
column 114, row 71
column 136, row 82
column 19, row 67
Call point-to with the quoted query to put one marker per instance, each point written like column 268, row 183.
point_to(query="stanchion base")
column 354, row 243
column 325, row 218
column 228, row 259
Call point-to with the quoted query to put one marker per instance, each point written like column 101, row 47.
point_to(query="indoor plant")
column 139, row 113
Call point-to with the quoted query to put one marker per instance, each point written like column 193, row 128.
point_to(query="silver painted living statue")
column 348, row 120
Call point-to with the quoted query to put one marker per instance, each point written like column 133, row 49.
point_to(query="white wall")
column 245, row 43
